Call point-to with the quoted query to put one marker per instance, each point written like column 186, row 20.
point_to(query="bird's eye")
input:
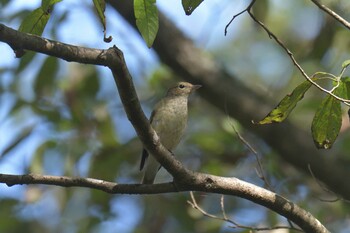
column 181, row 86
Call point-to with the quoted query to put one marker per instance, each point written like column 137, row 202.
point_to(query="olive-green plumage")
column 169, row 120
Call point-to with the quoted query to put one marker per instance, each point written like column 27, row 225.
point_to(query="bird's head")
column 182, row 89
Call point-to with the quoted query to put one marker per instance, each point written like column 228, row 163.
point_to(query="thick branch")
column 105, row 186
column 185, row 180
column 229, row 95
column 203, row 183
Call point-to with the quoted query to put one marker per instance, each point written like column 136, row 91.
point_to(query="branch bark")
column 184, row 180
column 230, row 96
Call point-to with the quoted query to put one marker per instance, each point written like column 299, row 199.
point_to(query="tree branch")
column 105, row 186
column 202, row 182
column 185, row 180
column 332, row 13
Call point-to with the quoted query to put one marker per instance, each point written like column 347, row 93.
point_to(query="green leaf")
column 146, row 14
column 35, row 22
column 100, row 6
column 345, row 64
column 190, row 5
column 287, row 104
column 327, row 120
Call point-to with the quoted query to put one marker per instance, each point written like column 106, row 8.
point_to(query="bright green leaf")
column 146, row 14
column 190, row 5
column 327, row 120
column 35, row 22
column 287, row 104
column 345, row 64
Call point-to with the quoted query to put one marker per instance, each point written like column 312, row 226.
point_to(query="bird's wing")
column 144, row 151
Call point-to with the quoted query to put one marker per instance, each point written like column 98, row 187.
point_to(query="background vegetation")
column 61, row 118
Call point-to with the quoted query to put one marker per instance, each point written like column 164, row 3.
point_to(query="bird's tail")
column 151, row 169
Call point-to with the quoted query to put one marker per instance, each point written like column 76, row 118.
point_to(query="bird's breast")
column 170, row 122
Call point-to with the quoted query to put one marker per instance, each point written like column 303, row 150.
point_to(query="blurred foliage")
column 66, row 119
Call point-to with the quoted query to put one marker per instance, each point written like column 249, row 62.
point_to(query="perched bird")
column 169, row 120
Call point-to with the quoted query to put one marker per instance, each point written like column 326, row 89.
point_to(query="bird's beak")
column 195, row 87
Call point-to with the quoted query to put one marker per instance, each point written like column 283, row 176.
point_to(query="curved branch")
column 184, row 179
column 201, row 182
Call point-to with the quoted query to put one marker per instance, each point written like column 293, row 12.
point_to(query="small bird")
column 169, row 120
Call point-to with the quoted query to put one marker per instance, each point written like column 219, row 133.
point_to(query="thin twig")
column 238, row 14
column 290, row 54
column 337, row 198
column 195, row 205
column 332, row 13
column 260, row 170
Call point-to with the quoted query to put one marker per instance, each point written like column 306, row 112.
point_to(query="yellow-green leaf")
column 327, row 120
column 36, row 21
column 146, row 15
column 287, row 104
column 100, row 6
column 190, row 5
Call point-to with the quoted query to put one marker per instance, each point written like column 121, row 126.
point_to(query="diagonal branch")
column 290, row 54
column 332, row 13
